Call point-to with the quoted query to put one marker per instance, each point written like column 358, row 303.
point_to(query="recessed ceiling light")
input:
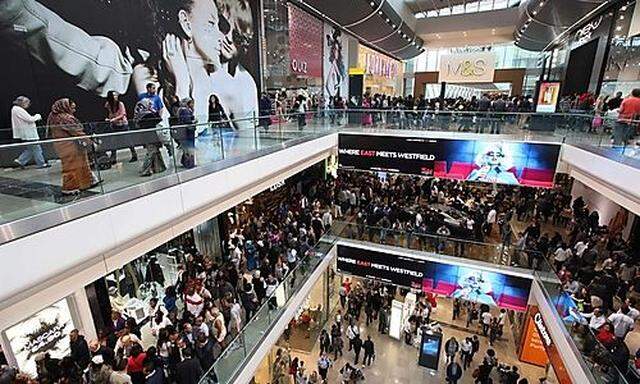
column 372, row 4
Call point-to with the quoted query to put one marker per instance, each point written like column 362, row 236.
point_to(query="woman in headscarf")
column 76, row 174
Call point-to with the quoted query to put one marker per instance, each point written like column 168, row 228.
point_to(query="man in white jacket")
column 24, row 128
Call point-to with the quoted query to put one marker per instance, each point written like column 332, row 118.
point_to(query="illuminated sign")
column 475, row 67
column 377, row 64
column 584, row 34
column 542, row 329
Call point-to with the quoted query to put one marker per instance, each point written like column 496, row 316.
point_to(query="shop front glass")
column 622, row 71
column 130, row 288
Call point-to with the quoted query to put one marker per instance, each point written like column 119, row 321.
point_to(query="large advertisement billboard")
column 466, row 283
column 336, row 59
column 503, row 162
column 305, row 43
column 83, row 50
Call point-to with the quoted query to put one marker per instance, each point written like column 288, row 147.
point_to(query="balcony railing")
column 32, row 193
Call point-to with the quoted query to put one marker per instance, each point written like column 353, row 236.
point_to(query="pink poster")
column 305, row 43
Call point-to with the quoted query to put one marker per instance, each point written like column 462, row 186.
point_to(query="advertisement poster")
column 336, row 57
column 45, row 332
column 548, row 97
column 550, row 347
column 305, row 43
column 430, row 350
column 532, row 350
column 467, row 283
column 502, row 162
column 476, row 67
column 188, row 49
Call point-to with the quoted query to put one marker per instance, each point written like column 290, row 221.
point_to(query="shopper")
column 357, row 347
column 337, row 343
column 79, row 349
column 486, row 322
column 625, row 127
column 383, row 315
column 475, row 343
column 369, row 351
column 117, row 118
column 325, row 342
column 24, row 129
column 353, row 331
column 454, row 372
column 456, row 308
column 324, row 363
column 188, row 371
column 466, row 352
column 451, row 348
column 76, row 174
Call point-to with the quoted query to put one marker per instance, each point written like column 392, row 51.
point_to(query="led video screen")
column 503, row 162
column 467, row 283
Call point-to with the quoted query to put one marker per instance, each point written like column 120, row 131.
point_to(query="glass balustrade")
column 88, row 164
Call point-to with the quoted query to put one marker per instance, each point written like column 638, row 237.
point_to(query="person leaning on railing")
column 24, row 129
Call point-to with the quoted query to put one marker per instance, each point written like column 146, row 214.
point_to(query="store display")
column 430, row 346
column 395, row 321
column 548, row 97
column 45, row 332
column 502, row 162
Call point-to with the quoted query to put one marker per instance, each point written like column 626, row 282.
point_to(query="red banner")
column 305, row 43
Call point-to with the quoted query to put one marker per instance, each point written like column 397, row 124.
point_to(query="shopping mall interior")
column 387, row 191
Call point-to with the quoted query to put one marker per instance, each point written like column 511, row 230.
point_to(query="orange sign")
column 544, row 337
column 532, row 350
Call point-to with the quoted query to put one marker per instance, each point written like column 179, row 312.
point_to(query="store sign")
column 532, row 350
column 477, row 67
column 549, row 346
column 542, row 329
column 45, row 332
column 377, row 64
column 277, row 186
column 585, row 33
column 305, row 43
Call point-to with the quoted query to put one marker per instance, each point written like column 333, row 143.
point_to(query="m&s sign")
column 475, row 67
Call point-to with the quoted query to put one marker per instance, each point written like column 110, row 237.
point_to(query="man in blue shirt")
column 153, row 95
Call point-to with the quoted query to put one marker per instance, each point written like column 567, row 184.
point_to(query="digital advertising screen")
column 467, row 283
column 548, row 97
column 430, row 346
column 502, row 162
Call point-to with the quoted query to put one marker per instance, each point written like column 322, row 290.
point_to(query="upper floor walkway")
column 33, row 199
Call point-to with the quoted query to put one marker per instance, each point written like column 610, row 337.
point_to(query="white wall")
column 606, row 208
column 43, row 268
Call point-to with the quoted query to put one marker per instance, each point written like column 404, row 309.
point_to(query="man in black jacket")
column 357, row 346
column 79, row 349
column 188, row 371
column 369, row 351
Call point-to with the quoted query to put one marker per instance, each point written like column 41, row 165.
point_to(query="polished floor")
column 396, row 362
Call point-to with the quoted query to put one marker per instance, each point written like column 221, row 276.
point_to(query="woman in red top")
column 135, row 364
column 606, row 335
